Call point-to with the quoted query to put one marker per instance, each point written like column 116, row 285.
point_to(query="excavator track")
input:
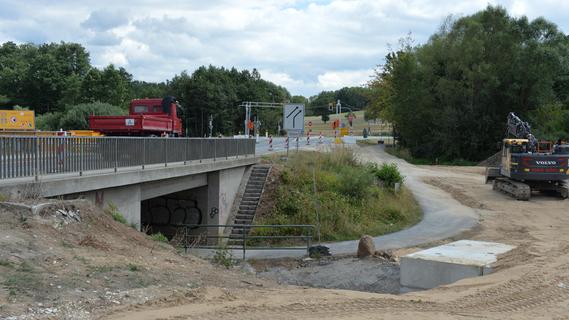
column 516, row 189
column 564, row 189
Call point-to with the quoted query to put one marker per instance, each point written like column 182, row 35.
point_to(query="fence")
column 205, row 240
column 38, row 156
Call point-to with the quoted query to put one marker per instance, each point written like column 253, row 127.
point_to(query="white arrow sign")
column 294, row 117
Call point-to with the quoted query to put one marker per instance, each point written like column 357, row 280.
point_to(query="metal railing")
column 22, row 156
column 203, row 239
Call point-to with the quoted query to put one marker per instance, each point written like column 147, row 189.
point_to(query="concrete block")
column 448, row 263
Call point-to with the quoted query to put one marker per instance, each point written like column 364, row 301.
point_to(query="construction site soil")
column 97, row 268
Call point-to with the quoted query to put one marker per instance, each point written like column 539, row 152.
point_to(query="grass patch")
column 5, row 263
column 133, row 267
column 223, row 257
column 115, row 213
column 349, row 198
column 403, row 153
column 3, row 198
column 159, row 237
column 24, row 280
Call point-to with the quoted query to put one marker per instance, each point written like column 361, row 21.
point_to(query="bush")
column 223, row 257
column 389, row 174
column 159, row 237
column 76, row 117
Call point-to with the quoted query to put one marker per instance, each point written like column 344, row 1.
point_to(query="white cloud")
column 280, row 78
column 304, row 45
column 102, row 20
column 348, row 78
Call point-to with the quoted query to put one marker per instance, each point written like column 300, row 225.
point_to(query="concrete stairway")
column 249, row 202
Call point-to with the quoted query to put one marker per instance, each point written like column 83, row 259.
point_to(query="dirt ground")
column 73, row 261
column 82, row 264
column 531, row 282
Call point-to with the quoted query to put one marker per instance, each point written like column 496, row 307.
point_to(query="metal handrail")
column 187, row 237
column 36, row 156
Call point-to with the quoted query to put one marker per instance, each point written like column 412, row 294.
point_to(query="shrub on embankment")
column 349, row 197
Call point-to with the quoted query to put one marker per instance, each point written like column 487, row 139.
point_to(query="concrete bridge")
column 153, row 182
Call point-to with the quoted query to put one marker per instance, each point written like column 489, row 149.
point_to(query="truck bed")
column 131, row 124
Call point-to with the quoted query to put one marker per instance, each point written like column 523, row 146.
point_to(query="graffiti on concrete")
column 213, row 212
column 171, row 212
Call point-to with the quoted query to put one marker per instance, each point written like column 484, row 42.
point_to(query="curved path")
column 443, row 216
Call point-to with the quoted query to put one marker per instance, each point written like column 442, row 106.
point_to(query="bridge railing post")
column 116, row 153
column 36, row 156
column 185, row 150
column 165, row 141
column 143, row 152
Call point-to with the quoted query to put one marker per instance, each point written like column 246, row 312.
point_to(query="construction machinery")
column 528, row 164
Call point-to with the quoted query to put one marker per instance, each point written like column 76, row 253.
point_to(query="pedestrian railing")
column 39, row 156
column 214, row 236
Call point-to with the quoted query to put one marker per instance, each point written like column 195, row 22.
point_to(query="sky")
column 305, row 46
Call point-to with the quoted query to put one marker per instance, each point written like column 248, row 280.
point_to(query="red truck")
column 147, row 117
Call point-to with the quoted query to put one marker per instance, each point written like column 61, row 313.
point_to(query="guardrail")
column 39, row 156
column 203, row 239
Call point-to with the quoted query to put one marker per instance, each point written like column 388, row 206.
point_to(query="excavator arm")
column 521, row 130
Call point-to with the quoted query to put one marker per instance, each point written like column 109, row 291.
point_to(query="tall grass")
column 351, row 202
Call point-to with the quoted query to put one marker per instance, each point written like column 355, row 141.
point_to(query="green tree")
column 449, row 97
column 77, row 117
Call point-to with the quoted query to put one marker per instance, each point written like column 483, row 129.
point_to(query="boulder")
column 366, row 247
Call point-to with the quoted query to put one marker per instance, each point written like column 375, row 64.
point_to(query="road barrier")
column 22, row 156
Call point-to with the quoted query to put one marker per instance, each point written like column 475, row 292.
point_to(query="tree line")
column 58, row 82
column 449, row 98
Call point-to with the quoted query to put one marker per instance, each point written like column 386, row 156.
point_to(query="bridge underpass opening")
column 168, row 213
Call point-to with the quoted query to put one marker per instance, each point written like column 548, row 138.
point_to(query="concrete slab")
column 448, row 263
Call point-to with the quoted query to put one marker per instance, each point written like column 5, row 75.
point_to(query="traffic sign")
column 294, row 117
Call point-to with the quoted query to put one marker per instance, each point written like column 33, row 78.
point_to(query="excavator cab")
column 509, row 147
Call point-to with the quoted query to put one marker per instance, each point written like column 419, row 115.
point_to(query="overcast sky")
column 305, row 46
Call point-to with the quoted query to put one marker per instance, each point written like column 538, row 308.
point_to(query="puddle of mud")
column 371, row 274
